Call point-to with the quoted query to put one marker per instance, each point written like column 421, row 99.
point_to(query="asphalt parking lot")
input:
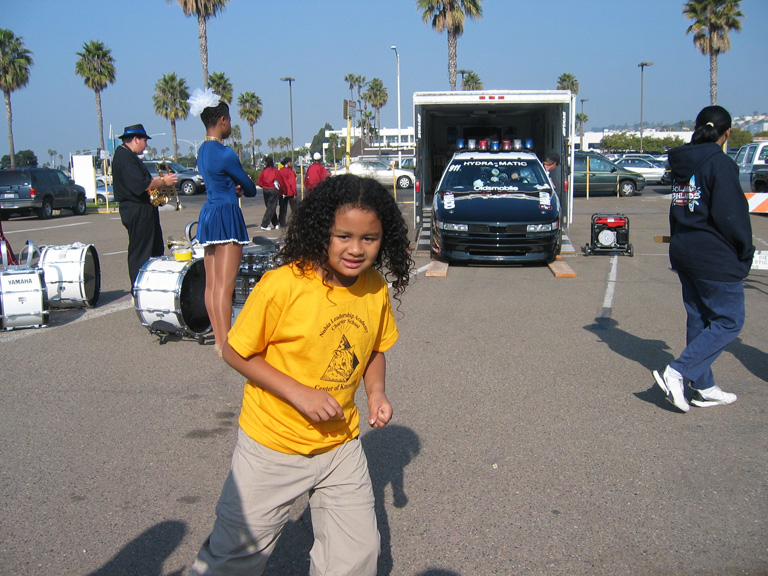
column 528, row 438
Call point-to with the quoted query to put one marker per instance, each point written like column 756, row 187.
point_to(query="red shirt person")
column 287, row 178
column 316, row 173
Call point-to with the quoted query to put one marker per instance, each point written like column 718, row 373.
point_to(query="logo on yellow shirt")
column 343, row 363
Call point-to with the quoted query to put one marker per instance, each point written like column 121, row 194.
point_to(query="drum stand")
column 164, row 330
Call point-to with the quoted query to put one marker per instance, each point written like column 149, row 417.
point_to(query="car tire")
column 79, row 209
column 46, row 209
column 404, row 182
column 627, row 188
column 188, row 188
column 101, row 199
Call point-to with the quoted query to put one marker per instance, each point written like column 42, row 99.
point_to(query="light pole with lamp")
column 582, row 121
column 399, row 132
column 290, row 98
column 642, row 66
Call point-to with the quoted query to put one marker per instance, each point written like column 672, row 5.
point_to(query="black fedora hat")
column 135, row 130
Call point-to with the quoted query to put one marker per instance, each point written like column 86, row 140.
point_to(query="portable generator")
column 610, row 234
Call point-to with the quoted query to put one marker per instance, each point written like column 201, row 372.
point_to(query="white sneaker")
column 266, row 227
column 712, row 397
column 277, row 226
column 671, row 382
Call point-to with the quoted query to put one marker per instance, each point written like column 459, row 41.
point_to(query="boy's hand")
column 317, row 405
column 379, row 409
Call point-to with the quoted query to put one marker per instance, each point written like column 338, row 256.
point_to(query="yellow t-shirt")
column 319, row 335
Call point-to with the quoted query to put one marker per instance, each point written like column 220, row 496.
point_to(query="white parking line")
column 6, row 232
column 610, row 288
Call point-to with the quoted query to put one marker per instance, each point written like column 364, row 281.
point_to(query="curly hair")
column 309, row 233
column 211, row 115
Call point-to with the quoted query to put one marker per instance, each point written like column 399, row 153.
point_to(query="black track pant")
column 145, row 237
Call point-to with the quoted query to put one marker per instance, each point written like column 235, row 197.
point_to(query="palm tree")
column 377, row 97
column 170, row 100
column 449, row 15
column 581, row 119
column 204, row 10
column 249, row 108
column 97, row 67
column 221, row 85
column 257, row 143
column 471, row 81
column 351, row 80
column 15, row 62
column 568, row 82
column 272, row 144
column 712, row 20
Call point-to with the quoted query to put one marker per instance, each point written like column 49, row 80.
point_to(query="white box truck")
column 544, row 117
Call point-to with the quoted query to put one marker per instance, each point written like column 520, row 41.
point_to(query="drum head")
column 92, row 276
column 192, row 299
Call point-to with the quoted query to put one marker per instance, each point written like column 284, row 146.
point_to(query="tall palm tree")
column 204, row 10
column 581, row 119
column 712, row 20
column 377, row 97
column 15, row 62
column 449, row 16
column 471, row 81
column 97, row 67
column 221, row 85
column 272, row 143
column 351, row 80
column 249, row 107
column 170, row 100
column 568, row 82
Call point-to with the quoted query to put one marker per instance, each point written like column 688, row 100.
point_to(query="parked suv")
column 751, row 156
column 39, row 190
column 604, row 176
column 190, row 181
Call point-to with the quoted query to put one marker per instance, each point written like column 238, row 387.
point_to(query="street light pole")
column 399, row 131
column 582, row 121
column 642, row 66
column 290, row 97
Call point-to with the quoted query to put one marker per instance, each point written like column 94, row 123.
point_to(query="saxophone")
column 162, row 196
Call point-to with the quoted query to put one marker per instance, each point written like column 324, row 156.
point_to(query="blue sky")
column 516, row 45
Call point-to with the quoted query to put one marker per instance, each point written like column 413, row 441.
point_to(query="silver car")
column 380, row 171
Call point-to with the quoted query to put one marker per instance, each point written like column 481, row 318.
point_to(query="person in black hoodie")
column 711, row 250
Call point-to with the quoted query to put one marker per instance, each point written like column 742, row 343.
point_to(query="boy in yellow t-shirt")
column 309, row 332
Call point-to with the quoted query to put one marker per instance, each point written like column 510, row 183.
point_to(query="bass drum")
column 170, row 296
column 72, row 275
column 23, row 300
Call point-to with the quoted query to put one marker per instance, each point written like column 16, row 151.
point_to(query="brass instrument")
column 162, row 196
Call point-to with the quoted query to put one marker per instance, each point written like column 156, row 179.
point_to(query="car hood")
column 497, row 208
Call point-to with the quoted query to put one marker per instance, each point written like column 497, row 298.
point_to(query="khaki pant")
column 256, row 499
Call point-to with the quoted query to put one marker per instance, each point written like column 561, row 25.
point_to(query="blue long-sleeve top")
column 222, row 171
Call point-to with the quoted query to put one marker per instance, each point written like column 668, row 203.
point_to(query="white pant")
column 257, row 496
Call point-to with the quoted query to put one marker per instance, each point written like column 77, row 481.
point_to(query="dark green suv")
column 40, row 191
column 604, row 176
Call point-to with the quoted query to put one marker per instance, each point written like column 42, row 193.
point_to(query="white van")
column 749, row 156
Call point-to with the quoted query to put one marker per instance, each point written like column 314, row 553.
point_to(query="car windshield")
column 500, row 175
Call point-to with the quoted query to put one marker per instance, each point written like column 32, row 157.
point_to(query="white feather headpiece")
column 202, row 99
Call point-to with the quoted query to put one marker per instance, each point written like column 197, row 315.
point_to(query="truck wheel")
column 403, row 182
column 79, row 209
column 626, row 188
column 188, row 188
column 46, row 210
column 101, row 199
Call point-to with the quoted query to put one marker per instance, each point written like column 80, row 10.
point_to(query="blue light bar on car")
column 529, row 143
column 495, row 146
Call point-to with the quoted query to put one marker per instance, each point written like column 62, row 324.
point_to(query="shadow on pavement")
column 146, row 553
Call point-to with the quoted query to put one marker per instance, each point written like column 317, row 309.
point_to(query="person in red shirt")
column 316, row 173
column 287, row 189
column 269, row 183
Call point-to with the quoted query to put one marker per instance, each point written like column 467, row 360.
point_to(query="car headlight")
column 542, row 227
column 452, row 227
